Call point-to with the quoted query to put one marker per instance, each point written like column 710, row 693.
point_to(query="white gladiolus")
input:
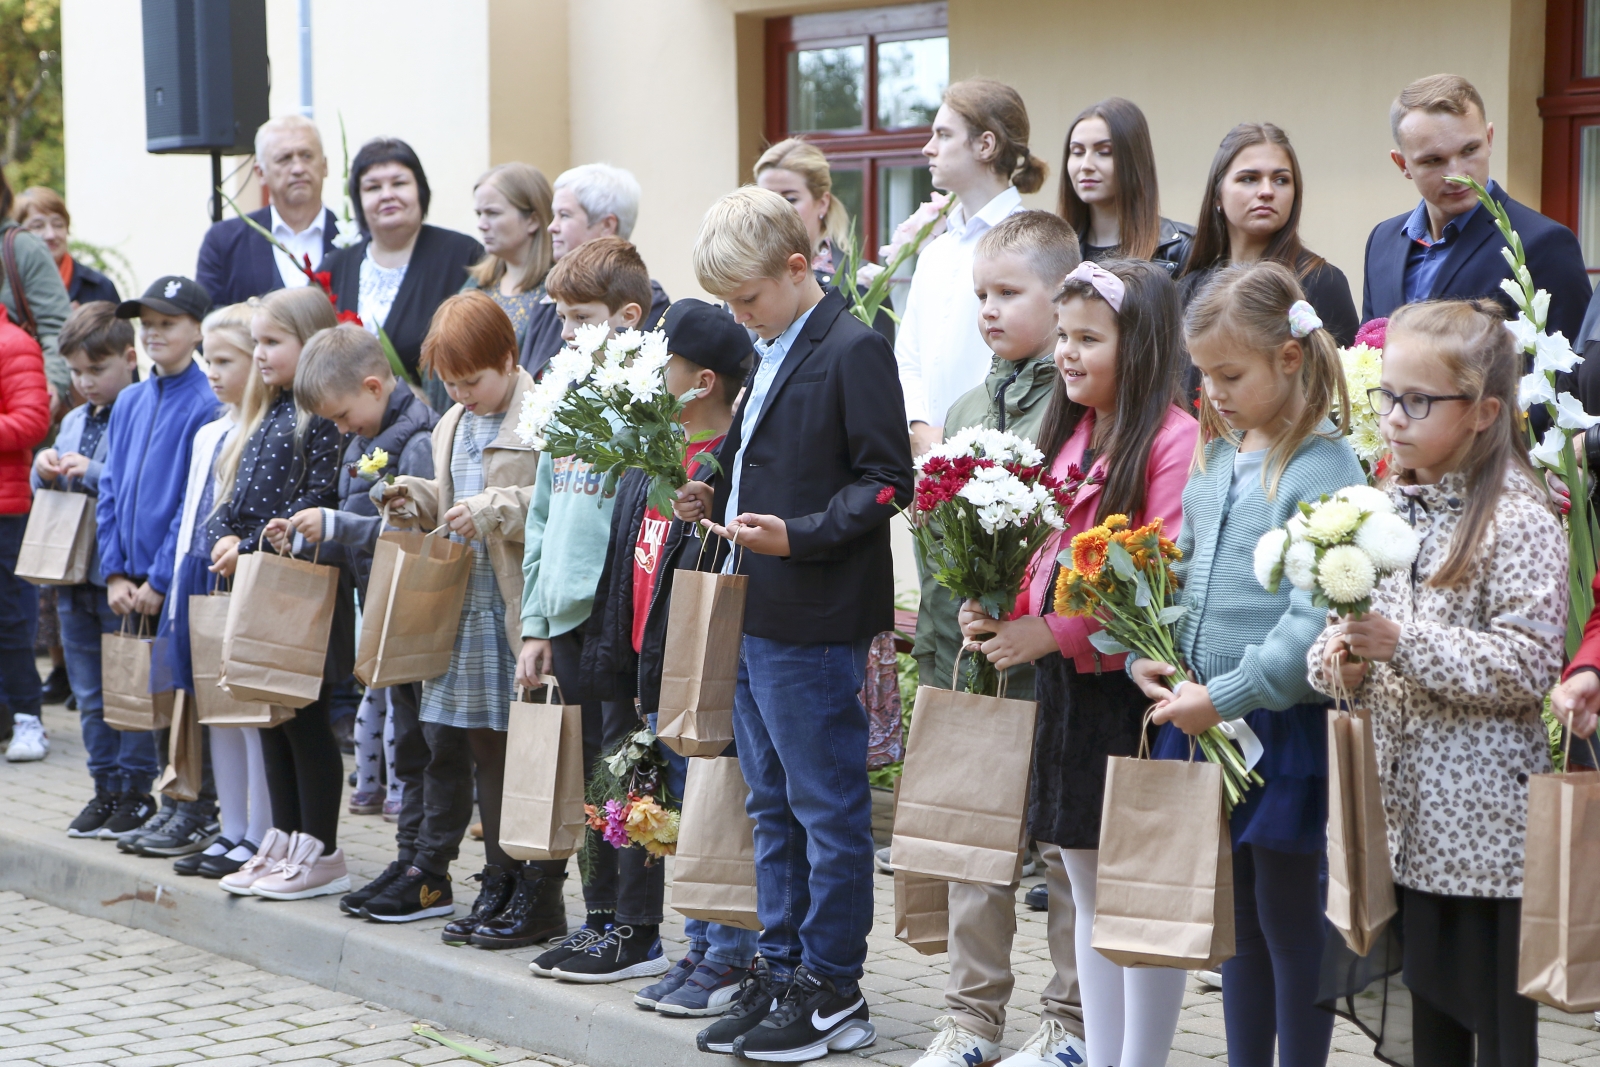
column 1548, row 451
column 1269, row 551
column 1372, row 501
column 1553, row 352
column 1346, row 574
column 1535, row 388
column 1300, row 565
column 1570, row 414
column 1389, row 541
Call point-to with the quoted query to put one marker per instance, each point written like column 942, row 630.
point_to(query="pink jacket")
column 1171, row 456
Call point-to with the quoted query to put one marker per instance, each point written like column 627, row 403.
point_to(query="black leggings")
column 1269, row 988
column 305, row 773
column 446, row 791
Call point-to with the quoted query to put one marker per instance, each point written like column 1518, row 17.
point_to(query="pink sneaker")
column 305, row 872
column 274, row 846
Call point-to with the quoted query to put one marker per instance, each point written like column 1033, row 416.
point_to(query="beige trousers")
column 983, row 923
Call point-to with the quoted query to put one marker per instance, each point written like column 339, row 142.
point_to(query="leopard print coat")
column 1456, row 712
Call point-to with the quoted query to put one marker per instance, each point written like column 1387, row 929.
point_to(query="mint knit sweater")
column 1246, row 645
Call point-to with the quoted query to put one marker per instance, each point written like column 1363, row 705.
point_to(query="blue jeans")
column 119, row 760
column 19, row 623
column 728, row 946
column 802, row 736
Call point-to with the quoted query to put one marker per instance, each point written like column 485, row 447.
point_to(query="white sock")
column 230, row 768
column 260, row 799
column 1130, row 1014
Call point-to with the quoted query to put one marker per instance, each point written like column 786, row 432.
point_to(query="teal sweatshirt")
column 1246, row 645
column 564, row 547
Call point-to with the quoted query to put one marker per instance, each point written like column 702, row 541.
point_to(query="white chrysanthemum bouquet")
column 1363, row 370
column 1337, row 549
column 604, row 399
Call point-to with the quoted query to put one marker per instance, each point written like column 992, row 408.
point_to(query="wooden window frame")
column 1571, row 102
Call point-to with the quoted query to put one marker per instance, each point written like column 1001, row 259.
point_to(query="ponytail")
column 1252, row 301
column 993, row 107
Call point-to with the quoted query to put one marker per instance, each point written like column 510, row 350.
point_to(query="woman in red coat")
column 24, row 420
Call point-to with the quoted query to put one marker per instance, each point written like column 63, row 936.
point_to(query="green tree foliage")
column 31, row 148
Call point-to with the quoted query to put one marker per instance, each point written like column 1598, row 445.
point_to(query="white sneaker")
column 1050, row 1046
column 28, row 740
column 956, row 1046
column 880, row 860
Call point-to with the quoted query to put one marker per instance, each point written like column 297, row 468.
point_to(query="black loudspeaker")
column 205, row 75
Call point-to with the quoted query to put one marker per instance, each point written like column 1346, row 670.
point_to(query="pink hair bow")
column 1108, row 285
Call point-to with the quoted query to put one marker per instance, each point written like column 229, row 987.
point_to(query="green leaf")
column 1172, row 613
column 1064, row 557
column 470, row 1051
column 1141, row 590
column 1107, row 645
column 1120, row 561
column 395, row 363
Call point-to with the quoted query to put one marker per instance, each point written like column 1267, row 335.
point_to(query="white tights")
column 245, row 809
column 1130, row 1014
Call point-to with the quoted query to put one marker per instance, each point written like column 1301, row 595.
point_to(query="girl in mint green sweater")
column 1271, row 375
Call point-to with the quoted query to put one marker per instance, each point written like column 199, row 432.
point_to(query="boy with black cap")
column 142, row 482
column 711, row 354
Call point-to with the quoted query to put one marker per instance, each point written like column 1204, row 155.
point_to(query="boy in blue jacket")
column 98, row 348
column 146, row 468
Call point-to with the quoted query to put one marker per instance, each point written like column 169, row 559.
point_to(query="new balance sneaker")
column 651, row 995
column 416, row 894
column 28, row 739
column 306, row 871
column 759, row 993
column 625, row 952
column 956, row 1046
column 1050, row 1046
column 546, row 962
column 134, row 816
column 352, row 903
column 94, row 815
column 809, row 1022
column 710, row 990
column 192, row 828
column 274, row 846
column 495, row 886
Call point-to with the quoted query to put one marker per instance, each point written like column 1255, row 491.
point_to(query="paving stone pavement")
column 903, row 987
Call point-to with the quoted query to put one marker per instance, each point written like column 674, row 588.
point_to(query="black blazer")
column 89, row 284
column 237, row 263
column 1475, row 268
column 831, row 436
column 438, row 270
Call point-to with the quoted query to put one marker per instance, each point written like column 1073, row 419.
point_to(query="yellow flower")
column 371, row 465
column 646, row 820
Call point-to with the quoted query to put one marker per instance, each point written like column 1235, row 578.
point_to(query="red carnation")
column 350, row 316
column 886, row 495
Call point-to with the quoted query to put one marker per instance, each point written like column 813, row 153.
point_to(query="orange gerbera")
column 1072, row 599
column 1089, row 551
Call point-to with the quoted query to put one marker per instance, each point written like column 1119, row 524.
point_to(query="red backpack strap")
column 19, row 295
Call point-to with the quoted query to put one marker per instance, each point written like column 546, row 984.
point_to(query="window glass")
column 1591, row 38
column 849, row 188
column 1589, row 195
column 912, row 76
column 827, row 87
column 902, row 188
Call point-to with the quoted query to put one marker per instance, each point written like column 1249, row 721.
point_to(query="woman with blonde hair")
column 512, row 202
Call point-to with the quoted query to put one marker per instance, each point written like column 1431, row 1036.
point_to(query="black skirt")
column 1083, row 718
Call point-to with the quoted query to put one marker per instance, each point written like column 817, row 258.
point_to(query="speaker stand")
column 216, row 185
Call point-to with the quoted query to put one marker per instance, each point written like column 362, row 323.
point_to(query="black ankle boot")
column 495, row 885
column 535, row 913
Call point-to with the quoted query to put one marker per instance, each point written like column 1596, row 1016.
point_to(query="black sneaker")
column 94, row 815
column 56, row 688
column 625, row 952
column 495, row 886
column 583, row 937
column 759, row 993
column 191, row 829
column 190, row 865
column 811, row 1021
column 414, row 895
column 352, row 903
column 135, row 813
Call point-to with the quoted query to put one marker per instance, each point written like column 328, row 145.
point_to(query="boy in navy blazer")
column 813, row 464
column 1448, row 246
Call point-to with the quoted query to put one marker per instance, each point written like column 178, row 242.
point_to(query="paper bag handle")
column 548, row 682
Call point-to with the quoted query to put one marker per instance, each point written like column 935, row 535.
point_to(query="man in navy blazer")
column 1448, row 246
column 236, row 262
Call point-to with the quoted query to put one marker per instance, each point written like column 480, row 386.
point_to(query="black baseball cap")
column 171, row 295
column 707, row 336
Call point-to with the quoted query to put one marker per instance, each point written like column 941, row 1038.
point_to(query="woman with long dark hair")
column 1251, row 211
column 1109, row 191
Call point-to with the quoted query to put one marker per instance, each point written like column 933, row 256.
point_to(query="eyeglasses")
column 1415, row 405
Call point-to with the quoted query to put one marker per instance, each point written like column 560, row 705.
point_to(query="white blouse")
column 379, row 287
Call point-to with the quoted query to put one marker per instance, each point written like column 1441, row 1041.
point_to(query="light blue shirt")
column 772, row 356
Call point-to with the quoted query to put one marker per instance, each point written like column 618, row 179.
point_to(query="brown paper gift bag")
column 700, row 663
column 181, row 779
column 413, row 607
column 541, row 804
column 1360, row 880
column 1164, row 895
column 1559, row 963
column 214, row 706
column 962, row 803
column 125, row 682
column 279, row 617
column 714, row 868
column 922, row 912
column 58, row 544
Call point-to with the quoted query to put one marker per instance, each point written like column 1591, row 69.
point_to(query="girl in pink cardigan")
column 1121, row 357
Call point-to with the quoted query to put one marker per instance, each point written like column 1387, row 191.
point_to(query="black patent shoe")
column 495, row 886
column 536, row 912
column 190, row 864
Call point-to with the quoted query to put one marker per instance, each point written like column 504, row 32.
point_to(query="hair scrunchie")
column 1303, row 319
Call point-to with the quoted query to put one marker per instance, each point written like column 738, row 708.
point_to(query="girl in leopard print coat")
column 1458, row 653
